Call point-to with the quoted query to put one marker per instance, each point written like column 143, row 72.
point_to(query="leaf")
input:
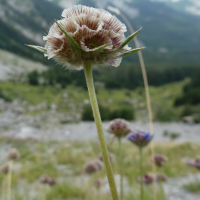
column 75, row 47
column 128, row 40
column 101, row 48
column 41, row 49
column 130, row 52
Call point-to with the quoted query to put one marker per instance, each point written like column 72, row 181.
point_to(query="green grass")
column 162, row 99
column 192, row 186
column 65, row 160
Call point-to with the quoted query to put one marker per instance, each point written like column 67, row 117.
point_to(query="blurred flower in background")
column 194, row 163
column 119, row 128
column 140, row 138
column 13, row 154
column 93, row 166
column 159, row 160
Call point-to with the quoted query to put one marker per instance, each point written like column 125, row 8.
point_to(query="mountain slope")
column 23, row 22
column 171, row 37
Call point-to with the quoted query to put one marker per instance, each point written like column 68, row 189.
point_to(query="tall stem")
column 121, row 165
column 148, row 99
column 97, row 118
column 9, row 180
column 141, row 176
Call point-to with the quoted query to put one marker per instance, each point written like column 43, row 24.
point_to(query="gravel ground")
column 50, row 129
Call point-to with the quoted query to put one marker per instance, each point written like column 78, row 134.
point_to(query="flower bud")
column 147, row 178
column 159, row 160
column 93, row 166
column 5, row 169
column 13, row 154
column 119, row 127
column 140, row 138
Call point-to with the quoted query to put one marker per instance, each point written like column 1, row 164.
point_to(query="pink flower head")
column 5, row 169
column 86, row 34
column 147, row 178
column 93, row 166
column 119, row 127
column 195, row 163
column 13, row 154
column 159, row 160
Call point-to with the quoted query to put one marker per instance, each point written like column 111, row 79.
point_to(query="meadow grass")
column 65, row 160
column 71, row 99
column 192, row 186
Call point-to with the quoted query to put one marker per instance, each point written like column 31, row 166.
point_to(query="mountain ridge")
column 171, row 37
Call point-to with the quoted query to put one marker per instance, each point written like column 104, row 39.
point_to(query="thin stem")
column 121, row 165
column 141, row 177
column 162, row 190
column 9, row 180
column 97, row 118
column 148, row 99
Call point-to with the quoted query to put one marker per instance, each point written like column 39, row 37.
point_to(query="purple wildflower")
column 119, row 127
column 140, row 138
column 147, row 178
column 159, row 160
column 195, row 163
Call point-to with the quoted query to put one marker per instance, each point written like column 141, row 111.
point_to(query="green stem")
column 9, row 180
column 162, row 189
column 97, row 118
column 141, row 176
column 121, row 160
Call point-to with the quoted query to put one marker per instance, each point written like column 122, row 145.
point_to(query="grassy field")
column 72, row 99
column 65, row 161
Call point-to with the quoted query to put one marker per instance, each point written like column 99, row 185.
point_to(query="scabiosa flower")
column 195, row 163
column 119, row 127
column 147, row 178
column 140, row 138
column 13, row 154
column 93, row 166
column 159, row 160
column 5, row 169
column 86, row 34
column 110, row 156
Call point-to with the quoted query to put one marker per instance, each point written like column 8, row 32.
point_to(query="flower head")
column 13, row 154
column 5, row 169
column 159, row 160
column 140, row 138
column 86, row 34
column 93, row 166
column 147, row 178
column 119, row 127
column 195, row 163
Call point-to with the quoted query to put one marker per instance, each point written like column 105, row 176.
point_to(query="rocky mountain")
column 170, row 32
